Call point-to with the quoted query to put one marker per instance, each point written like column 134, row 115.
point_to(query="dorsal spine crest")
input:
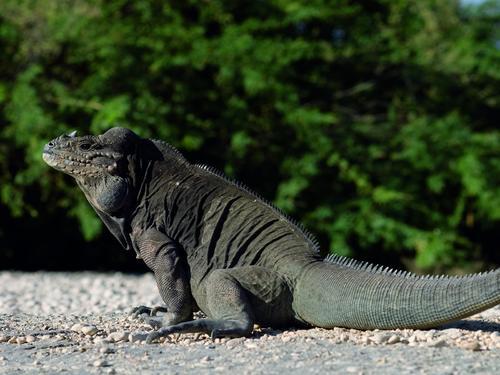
column 384, row 270
column 168, row 149
column 296, row 225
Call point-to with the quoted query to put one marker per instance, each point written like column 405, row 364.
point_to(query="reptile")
column 216, row 246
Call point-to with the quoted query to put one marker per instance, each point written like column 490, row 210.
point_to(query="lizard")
column 216, row 246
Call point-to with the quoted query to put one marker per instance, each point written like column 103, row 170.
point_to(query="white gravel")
column 78, row 323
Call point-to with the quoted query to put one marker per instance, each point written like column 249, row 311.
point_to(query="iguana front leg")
column 165, row 258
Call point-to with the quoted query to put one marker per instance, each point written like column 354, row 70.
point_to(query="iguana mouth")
column 78, row 166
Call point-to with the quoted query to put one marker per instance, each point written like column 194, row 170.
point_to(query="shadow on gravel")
column 473, row 325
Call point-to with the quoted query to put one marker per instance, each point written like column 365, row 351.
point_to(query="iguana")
column 214, row 245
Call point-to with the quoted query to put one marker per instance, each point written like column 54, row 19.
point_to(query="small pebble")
column 89, row 330
column 101, row 340
column 4, row 338
column 437, row 344
column 452, row 333
column 106, row 350
column 101, row 363
column 30, row 338
column 393, row 339
column 77, row 327
column 380, row 338
column 21, row 340
column 469, row 345
column 137, row 336
column 382, row 361
column 118, row 336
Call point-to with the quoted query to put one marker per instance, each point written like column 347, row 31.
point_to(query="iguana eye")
column 85, row 146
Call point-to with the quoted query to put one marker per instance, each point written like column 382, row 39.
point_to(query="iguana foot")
column 151, row 311
column 215, row 328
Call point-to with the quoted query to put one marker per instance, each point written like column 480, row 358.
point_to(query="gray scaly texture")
column 216, row 246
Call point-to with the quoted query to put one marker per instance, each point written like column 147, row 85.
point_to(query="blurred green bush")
column 373, row 122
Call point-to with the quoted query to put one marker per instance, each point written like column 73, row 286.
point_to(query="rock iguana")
column 214, row 245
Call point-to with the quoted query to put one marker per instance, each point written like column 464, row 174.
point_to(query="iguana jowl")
column 214, row 245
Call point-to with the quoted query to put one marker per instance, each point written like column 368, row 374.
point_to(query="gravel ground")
column 78, row 323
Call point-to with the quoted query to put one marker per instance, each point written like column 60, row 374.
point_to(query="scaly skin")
column 216, row 246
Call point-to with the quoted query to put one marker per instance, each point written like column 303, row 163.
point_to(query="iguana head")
column 100, row 164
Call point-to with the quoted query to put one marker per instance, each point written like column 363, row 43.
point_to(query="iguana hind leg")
column 226, row 303
column 236, row 298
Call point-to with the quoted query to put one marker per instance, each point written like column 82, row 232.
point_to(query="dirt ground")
column 78, row 323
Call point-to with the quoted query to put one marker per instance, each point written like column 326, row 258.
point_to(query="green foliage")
column 376, row 123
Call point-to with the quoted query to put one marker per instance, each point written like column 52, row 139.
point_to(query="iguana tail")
column 344, row 293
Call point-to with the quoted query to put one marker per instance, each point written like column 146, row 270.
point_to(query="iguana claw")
column 136, row 311
column 162, row 332
column 151, row 311
column 155, row 335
